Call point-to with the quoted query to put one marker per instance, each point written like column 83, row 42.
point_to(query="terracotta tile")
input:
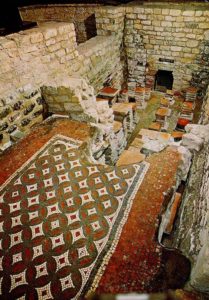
column 188, row 105
column 139, row 89
column 109, row 91
column 163, row 112
column 155, row 126
column 177, row 135
column 181, row 123
column 14, row 157
column 192, row 90
column 137, row 258
column 124, row 91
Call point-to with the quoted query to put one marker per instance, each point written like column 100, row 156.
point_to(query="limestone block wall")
column 200, row 272
column 108, row 60
column 135, row 52
column 168, row 33
column 81, row 16
column 36, row 56
column 45, row 56
column 111, row 21
column 200, row 78
column 50, row 53
column 76, row 99
column 146, row 33
column 99, row 61
column 193, row 228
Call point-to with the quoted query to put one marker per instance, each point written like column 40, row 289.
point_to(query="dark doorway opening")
column 131, row 99
column 90, row 25
column 163, row 80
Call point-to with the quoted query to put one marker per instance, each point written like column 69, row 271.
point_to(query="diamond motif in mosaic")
column 71, row 212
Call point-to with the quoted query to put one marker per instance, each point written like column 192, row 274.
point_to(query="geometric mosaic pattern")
column 60, row 219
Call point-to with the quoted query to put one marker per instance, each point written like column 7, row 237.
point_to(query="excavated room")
column 104, row 150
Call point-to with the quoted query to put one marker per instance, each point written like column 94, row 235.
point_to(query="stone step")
column 154, row 135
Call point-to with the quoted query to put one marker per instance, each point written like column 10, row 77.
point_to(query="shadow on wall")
column 10, row 20
column 86, row 29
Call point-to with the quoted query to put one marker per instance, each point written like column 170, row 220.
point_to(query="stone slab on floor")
column 137, row 143
column 130, row 157
column 154, row 135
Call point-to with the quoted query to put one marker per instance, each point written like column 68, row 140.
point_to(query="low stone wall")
column 45, row 56
column 50, row 53
column 73, row 97
column 205, row 107
column 100, row 61
column 83, row 17
column 193, row 225
column 199, row 234
column 36, row 56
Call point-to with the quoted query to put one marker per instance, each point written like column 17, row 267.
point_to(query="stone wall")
column 168, row 33
column 200, row 78
column 73, row 97
column 110, row 21
column 193, row 225
column 99, row 61
column 199, row 239
column 82, row 17
column 36, row 56
column 49, row 53
column 45, row 56
column 18, row 114
column 108, row 61
column 149, row 32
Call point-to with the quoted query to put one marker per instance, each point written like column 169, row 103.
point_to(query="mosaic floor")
column 137, row 264
column 61, row 220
